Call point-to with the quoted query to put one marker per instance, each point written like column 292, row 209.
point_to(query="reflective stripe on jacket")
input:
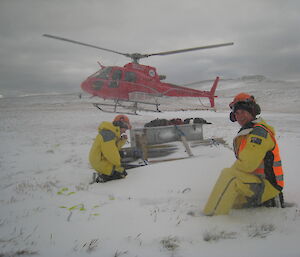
column 251, row 146
column 277, row 165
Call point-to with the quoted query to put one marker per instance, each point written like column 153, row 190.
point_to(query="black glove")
column 122, row 153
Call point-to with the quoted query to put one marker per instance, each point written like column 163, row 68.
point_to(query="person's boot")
column 102, row 178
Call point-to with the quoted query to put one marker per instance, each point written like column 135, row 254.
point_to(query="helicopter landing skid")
column 134, row 108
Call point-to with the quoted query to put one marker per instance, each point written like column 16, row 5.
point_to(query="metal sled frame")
column 146, row 138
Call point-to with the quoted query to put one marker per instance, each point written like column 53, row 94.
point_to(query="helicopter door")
column 116, row 77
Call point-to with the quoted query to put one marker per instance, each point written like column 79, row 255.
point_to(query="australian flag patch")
column 255, row 140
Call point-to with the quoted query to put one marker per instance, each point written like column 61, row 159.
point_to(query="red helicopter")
column 134, row 80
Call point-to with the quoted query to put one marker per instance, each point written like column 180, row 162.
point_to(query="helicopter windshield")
column 104, row 73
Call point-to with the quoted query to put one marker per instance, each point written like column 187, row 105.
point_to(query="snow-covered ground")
column 48, row 207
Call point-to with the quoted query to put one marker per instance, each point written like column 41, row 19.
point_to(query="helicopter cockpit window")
column 130, row 76
column 117, row 75
column 104, row 73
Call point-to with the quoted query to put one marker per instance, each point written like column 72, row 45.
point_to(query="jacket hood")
column 109, row 126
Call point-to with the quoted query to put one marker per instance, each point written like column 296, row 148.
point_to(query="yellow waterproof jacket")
column 104, row 155
column 256, row 145
column 239, row 186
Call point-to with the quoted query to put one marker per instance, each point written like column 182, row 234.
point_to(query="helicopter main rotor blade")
column 84, row 44
column 136, row 56
column 189, row 49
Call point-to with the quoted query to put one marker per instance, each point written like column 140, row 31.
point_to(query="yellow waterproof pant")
column 235, row 189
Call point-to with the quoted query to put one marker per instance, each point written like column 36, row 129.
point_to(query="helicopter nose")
column 85, row 86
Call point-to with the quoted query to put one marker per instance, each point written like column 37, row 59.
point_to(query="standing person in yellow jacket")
column 104, row 155
column 256, row 177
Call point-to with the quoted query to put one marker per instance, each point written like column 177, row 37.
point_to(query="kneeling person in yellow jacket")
column 256, row 177
column 104, row 155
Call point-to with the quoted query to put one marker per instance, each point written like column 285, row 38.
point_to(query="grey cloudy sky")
column 265, row 34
